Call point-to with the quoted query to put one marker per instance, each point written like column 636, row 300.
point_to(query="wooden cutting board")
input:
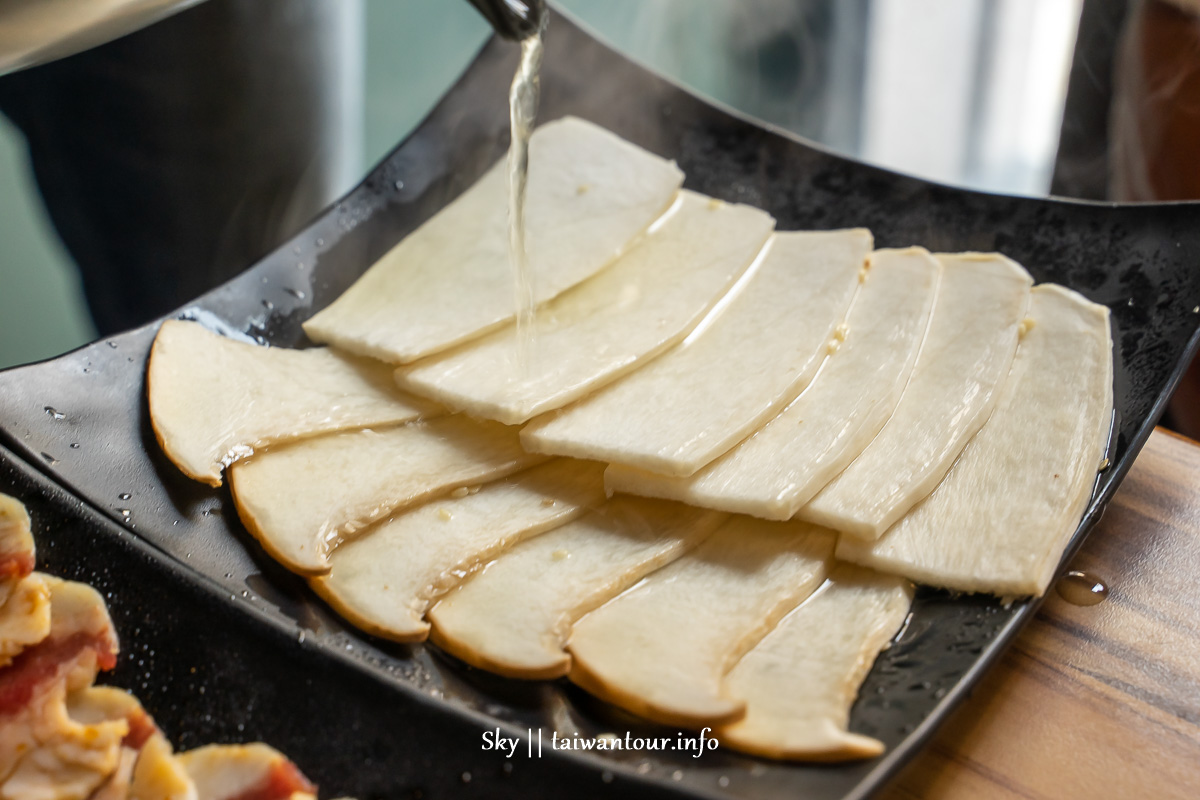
column 1099, row 701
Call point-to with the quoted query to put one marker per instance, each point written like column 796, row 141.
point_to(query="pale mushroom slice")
column 800, row 681
column 214, row 400
column 25, row 616
column 514, row 617
column 730, row 376
column 779, row 469
column 385, row 581
column 300, row 500
column 16, row 545
column 606, row 326
column 1002, row 516
column 229, row 772
column 661, row 648
column 590, row 194
column 967, row 354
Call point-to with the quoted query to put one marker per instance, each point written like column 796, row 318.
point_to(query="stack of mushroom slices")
column 64, row 738
column 702, row 485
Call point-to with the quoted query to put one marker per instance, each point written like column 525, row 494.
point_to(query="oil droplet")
column 445, row 514
column 559, row 555
column 460, row 492
column 54, row 412
column 1081, row 588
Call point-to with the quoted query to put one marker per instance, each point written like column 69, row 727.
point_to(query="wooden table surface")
column 1097, row 701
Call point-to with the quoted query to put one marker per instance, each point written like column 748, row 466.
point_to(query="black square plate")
column 224, row 644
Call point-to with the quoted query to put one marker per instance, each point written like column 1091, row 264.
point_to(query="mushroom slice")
column 731, row 375
column 24, row 617
column 16, row 545
column 779, row 469
column 214, row 400
column 590, row 194
column 661, row 648
column 301, row 499
column 1001, row 518
column 515, row 616
column 606, row 326
column 384, row 582
column 799, row 682
column 967, row 353
column 244, row 772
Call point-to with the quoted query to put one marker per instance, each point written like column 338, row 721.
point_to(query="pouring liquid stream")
column 522, row 106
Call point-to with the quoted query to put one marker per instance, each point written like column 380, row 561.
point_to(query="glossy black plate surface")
column 373, row 719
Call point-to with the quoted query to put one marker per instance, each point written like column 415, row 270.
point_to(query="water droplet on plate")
column 74, row 445
column 296, row 293
column 51, row 460
column 124, row 495
column 606, row 776
column 466, row 777
column 1081, row 588
column 54, row 412
column 399, row 184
